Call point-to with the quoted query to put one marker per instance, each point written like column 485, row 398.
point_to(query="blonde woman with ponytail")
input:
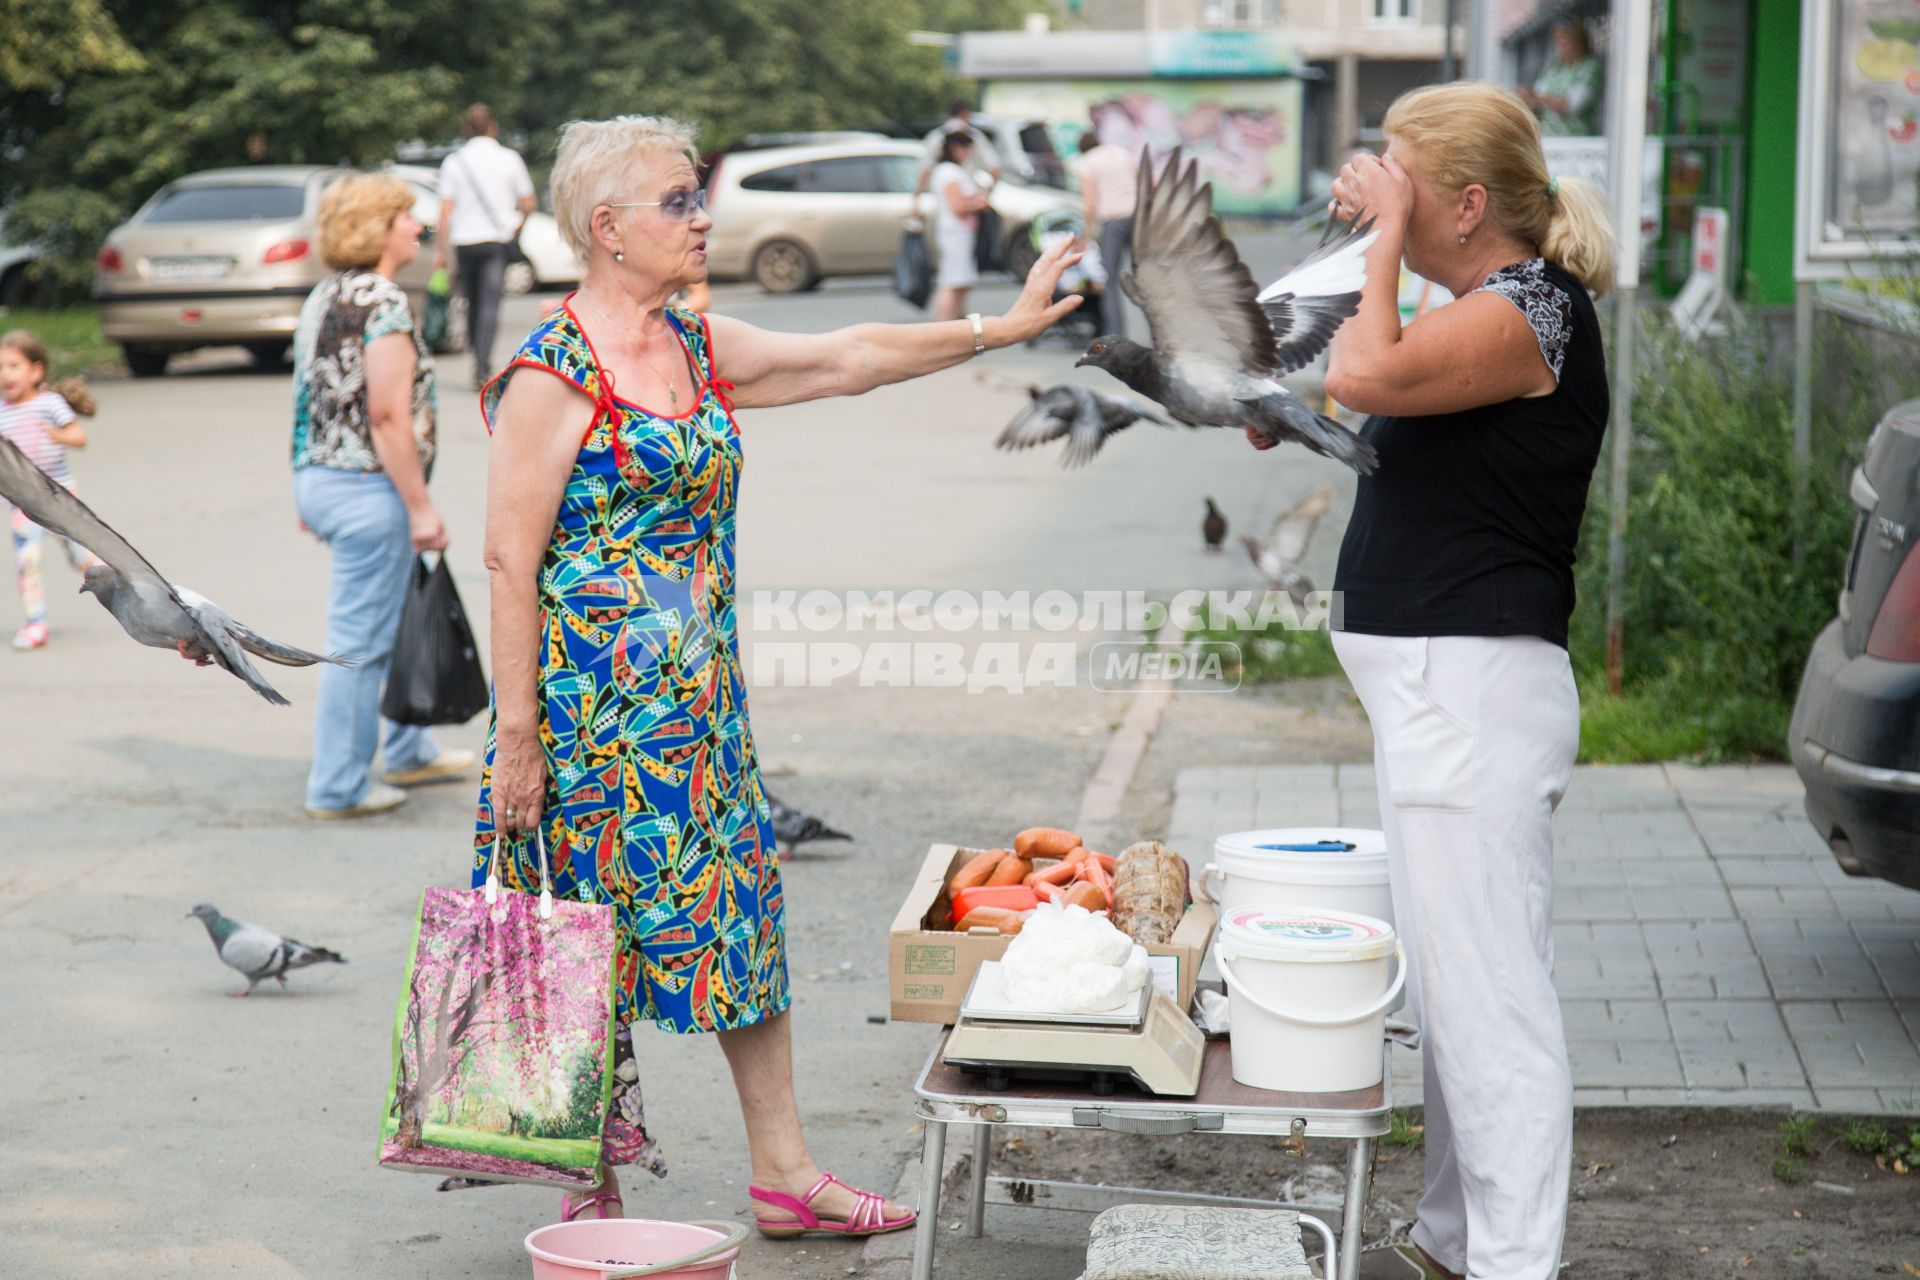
column 1455, row 584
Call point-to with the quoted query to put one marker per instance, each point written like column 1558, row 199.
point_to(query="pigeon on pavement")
column 1218, row 349
column 1279, row 557
column 257, row 953
column 1084, row 416
column 1213, row 527
column 147, row 607
column 791, row 827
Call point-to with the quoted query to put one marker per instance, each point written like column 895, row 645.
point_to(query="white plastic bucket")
column 1308, row 992
column 1340, row 868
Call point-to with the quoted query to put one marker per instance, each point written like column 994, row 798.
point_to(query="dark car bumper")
column 1854, row 737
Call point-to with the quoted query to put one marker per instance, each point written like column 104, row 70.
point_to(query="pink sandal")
column 600, row 1201
column 867, row 1219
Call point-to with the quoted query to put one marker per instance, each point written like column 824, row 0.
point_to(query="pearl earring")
column 1463, row 238
column 621, row 257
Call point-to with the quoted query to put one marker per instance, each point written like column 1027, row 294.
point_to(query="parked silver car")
column 789, row 217
column 227, row 257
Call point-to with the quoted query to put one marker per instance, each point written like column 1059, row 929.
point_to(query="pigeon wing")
column 299, row 955
column 1088, row 430
column 1306, row 305
column 1293, row 530
column 254, row 951
column 49, row 504
column 252, row 641
column 1048, row 416
column 1001, row 382
column 1198, row 295
column 217, row 641
column 1119, row 411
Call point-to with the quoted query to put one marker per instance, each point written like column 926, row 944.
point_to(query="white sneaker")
column 379, row 799
column 444, row 767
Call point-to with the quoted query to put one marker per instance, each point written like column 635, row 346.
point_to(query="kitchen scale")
column 1147, row 1042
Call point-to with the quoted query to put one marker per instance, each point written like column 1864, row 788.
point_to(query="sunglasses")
column 675, row 206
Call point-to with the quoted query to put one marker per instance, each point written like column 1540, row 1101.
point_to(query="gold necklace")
column 673, row 396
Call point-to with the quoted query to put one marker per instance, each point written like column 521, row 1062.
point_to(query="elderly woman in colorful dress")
column 620, row 731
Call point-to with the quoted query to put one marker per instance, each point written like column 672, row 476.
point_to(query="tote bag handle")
column 546, row 880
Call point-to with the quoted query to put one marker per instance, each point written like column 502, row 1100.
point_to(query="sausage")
column 1097, row 876
column 1045, row 842
column 1085, row 894
column 997, row 918
column 976, row 871
column 1012, row 870
column 1057, row 874
column 1050, row 892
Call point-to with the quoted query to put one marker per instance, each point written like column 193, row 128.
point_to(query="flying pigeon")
column 1218, row 350
column 791, row 827
column 147, row 607
column 1279, row 557
column 1085, row 417
column 258, row 953
column 1213, row 527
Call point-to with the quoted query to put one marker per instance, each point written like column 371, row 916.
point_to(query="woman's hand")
column 519, row 781
column 1035, row 311
column 427, row 529
column 1377, row 185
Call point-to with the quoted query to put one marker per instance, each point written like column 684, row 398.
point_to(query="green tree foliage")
column 1718, row 615
column 106, row 100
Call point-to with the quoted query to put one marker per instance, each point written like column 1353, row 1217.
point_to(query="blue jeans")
column 362, row 521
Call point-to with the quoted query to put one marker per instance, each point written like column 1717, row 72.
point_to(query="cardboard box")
column 931, row 966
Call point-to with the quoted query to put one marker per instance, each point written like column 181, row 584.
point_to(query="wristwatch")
column 979, row 332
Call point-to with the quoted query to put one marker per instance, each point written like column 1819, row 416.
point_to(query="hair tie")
column 1553, row 187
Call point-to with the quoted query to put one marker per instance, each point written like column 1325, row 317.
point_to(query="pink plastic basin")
column 590, row 1249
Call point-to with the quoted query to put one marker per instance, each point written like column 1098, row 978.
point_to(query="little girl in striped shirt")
column 42, row 422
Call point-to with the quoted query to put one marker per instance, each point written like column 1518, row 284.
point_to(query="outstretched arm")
column 769, row 368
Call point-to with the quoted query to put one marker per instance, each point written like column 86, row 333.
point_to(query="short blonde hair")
column 594, row 166
column 356, row 213
column 1466, row 133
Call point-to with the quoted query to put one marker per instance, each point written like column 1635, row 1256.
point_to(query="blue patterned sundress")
column 654, row 801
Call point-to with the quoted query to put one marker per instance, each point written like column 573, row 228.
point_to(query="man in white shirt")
column 1109, row 178
column 485, row 197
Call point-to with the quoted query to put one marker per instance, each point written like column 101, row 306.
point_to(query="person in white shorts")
column 957, row 202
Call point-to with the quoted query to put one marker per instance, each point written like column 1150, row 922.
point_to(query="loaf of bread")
column 1149, row 892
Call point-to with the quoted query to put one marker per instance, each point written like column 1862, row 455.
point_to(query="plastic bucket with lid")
column 1308, row 991
column 611, row 1248
column 1341, row 868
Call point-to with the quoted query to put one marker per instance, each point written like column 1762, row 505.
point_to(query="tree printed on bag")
column 503, row 1036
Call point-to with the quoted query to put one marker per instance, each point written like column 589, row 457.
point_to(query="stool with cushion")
column 1180, row 1242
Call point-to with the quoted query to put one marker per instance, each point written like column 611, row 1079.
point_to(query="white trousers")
column 1473, row 745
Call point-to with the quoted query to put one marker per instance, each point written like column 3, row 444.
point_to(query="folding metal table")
column 946, row 1095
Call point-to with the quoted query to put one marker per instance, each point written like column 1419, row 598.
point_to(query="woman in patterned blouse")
column 1453, row 592
column 363, row 441
column 620, row 732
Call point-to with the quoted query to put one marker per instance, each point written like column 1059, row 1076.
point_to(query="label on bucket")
column 1306, row 927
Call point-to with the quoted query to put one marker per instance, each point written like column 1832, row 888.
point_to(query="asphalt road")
column 154, row 1128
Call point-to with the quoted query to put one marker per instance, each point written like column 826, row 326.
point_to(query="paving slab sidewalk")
column 1709, row 950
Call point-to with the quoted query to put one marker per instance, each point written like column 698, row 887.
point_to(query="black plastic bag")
column 436, row 676
column 913, row 270
column 989, row 249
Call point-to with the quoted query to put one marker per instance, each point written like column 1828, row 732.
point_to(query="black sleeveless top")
column 1469, row 526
